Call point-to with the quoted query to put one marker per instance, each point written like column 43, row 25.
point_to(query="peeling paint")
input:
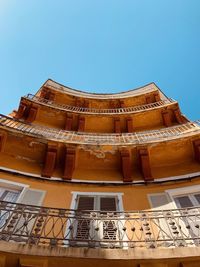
column 99, row 151
column 25, row 158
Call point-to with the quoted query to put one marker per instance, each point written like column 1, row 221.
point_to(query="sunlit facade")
column 99, row 179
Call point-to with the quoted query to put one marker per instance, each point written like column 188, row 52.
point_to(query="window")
column 184, row 222
column 159, row 201
column 97, row 219
column 189, row 200
column 23, row 219
column 9, row 195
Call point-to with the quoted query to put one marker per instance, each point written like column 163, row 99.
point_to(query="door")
column 96, row 222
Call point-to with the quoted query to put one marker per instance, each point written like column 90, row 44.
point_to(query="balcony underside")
column 16, row 255
column 145, row 137
column 23, row 148
column 53, row 85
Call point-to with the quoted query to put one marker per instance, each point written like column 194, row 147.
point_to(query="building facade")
column 99, row 179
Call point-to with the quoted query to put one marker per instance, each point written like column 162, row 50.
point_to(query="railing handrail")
column 134, row 138
column 140, row 212
column 111, row 111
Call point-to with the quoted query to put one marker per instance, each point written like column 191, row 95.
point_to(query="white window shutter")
column 108, row 204
column 83, row 225
column 109, row 229
column 27, row 219
column 85, row 203
column 32, row 197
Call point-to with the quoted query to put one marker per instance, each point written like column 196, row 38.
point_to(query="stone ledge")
column 96, row 253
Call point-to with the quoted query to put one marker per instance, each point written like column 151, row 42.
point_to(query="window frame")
column 182, row 191
column 21, row 188
column 118, row 195
column 76, row 194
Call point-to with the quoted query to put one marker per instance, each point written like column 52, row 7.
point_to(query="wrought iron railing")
column 28, row 224
column 99, row 138
column 125, row 110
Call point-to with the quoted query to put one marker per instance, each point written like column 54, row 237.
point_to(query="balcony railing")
column 98, row 138
column 45, row 226
column 126, row 110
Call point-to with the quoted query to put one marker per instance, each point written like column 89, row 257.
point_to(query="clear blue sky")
column 101, row 46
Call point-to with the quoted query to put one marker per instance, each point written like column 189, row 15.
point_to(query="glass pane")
column 184, row 201
column 11, row 196
column 1, row 193
column 197, row 198
column 159, row 201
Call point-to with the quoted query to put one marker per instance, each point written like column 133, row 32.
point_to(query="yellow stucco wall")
column 59, row 194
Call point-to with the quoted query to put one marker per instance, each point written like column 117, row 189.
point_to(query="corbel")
column 156, row 97
column 148, row 99
column 46, row 93
column 86, row 104
column 69, row 122
column 3, row 138
column 144, row 161
column 117, row 125
column 32, row 113
column 78, row 102
column 121, row 103
column 21, row 110
column 126, row 165
column 112, row 104
column 50, row 160
column 69, row 165
column 177, row 115
column 129, row 124
column 81, row 124
column 196, row 146
column 166, row 117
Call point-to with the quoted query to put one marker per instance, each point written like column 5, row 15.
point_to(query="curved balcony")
column 151, row 87
column 127, row 110
column 135, row 138
column 44, row 226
